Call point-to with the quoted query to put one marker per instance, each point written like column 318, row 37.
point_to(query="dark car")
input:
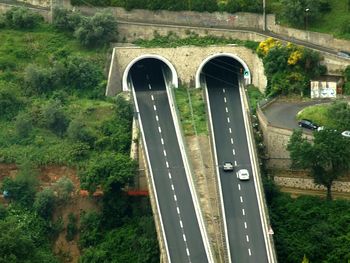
column 308, row 124
column 227, row 167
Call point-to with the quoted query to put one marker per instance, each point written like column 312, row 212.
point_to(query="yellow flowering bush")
column 265, row 46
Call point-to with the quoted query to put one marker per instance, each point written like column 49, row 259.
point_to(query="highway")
column 181, row 228
column 243, row 224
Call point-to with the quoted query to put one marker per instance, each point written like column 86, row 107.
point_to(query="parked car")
column 228, row 166
column 343, row 54
column 308, row 124
column 243, row 174
column 346, row 134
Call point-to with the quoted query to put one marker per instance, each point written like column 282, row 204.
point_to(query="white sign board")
column 323, row 89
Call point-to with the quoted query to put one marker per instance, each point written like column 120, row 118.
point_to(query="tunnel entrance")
column 147, row 65
column 222, row 68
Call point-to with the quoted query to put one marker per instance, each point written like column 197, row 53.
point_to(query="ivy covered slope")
column 53, row 112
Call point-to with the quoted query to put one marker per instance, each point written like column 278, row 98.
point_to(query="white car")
column 346, row 134
column 243, row 174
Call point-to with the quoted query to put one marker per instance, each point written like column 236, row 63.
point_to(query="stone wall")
column 276, row 141
column 186, row 61
column 308, row 184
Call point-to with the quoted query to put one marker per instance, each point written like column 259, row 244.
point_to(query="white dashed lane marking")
column 152, row 97
column 225, row 99
column 169, row 174
column 226, row 109
column 178, row 210
column 167, row 164
column 239, row 187
column 223, row 90
column 228, row 119
column 247, row 237
column 188, row 252
column 245, row 225
column 184, row 237
column 162, row 141
column 231, row 140
column 243, row 212
column 159, row 129
column 234, row 152
column 230, row 130
column 154, row 107
column 175, row 198
column 149, row 86
column 181, row 225
column 250, row 253
column 241, row 198
column 172, row 188
column 235, row 163
column 157, row 119
column 164, row 152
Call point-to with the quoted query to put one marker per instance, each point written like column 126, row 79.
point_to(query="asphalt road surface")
column 244, row 228
column 181, row 227
column 283, row 114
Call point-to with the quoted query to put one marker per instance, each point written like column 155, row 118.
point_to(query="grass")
column 199, row 119
column 254, row 96
column 318, row 114
column 172, row 40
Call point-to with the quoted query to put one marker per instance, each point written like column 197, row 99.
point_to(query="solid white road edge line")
column 262, row 213
column 151, row 174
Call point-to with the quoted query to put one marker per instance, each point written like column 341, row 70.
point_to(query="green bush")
column 97, row 30
column 20, row 17
column 23, row 125
column 39, row 80
column 44, row 203
column 54, row 118
column 81, row 74
column 10, row 101
column 64, row 188
column 64, row 19
column 78, row 131
column 72, row 228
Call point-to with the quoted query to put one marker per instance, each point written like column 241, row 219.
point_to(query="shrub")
column 63, row 187
column 81, row 73
column 22, row 188
column 72, row 228
column 10, row 101
column 44, row 203
column 97, row 30
column 64, row 19
column 78, row 131
column 20, row 17
column 39, row 80
column 23, row 125
column 54, row 118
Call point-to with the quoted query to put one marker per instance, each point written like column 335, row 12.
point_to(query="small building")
column 326, row 87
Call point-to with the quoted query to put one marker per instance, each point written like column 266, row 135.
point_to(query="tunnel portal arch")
column 207, row 59
column 174, row 82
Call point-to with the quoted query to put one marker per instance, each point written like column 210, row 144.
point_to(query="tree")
column 39, row 80
column 23, row 187
column 44, row 203
column 64, row 19
column 328, row 157
column 21, row 17
column 97, row 30
column 23, row 125
column 54, row 117
column 10, row 101
column 300, row 12
column 63, row 188
column 340, row 111
column 78, row 131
